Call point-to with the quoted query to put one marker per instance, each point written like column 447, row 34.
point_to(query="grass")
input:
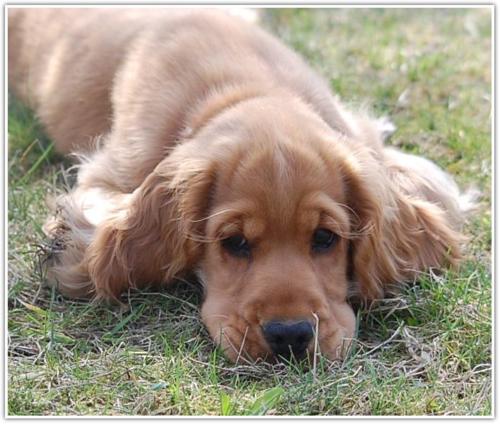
column 426, row 352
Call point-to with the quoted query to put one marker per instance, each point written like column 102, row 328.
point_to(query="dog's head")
column 277, row 213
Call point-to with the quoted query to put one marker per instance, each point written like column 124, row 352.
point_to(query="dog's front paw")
column 55, row 231
column 62, row 256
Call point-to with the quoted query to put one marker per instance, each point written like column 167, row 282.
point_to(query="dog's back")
column 62, row 62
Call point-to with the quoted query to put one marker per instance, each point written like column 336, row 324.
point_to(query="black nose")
column 288, row 338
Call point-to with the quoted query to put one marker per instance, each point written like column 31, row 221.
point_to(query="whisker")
column 351, row 210
column 219, row 316
column 201, row 239
column 213, row 215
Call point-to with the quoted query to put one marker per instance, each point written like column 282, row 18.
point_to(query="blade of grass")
column 124, row 321
column 35, row 166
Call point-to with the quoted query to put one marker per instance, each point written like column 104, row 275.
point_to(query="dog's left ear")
column 159, row 235
column 395, row 236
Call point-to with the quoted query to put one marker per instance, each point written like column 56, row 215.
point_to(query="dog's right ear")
column 159, row 235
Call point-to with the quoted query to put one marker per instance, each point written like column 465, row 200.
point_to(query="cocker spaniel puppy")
column 221, row 152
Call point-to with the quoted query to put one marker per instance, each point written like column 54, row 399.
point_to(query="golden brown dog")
column 221, row 152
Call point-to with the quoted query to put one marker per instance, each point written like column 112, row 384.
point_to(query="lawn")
column 427, row 351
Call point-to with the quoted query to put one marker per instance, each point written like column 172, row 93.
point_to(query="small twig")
column 239, row 368
column 347, row 377
column 93, row 379
column 482, row 395
column 316, row 344
column 242, row 345
column 390, row 339
column 232, row 345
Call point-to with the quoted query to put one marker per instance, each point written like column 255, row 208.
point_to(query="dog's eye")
column 323, row 240
column 237, row 246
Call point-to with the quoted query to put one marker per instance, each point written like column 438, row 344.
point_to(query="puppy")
column 222, row 153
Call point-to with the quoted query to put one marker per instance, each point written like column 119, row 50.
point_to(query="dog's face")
column 266, row 203
column 277, row 265
column 276, row 258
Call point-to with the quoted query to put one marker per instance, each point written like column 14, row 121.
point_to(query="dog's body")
column 223, row 153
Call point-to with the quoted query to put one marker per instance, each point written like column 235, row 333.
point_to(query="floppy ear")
column 395, row 235
column 157, row 237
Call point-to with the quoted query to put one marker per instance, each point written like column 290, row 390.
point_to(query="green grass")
column 427, row 351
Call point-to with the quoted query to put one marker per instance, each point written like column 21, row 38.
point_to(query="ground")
column 427, row 351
